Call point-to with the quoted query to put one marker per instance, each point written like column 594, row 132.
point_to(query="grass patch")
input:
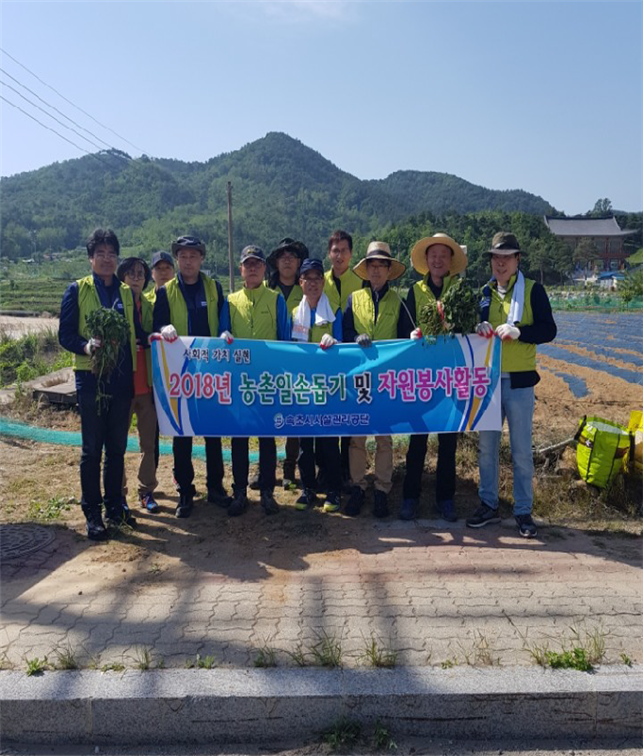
column 201, row 662
column 343, row 735
column 66, row 659
column 37, row 666
column 51, row 509
column 265, row 657
column 378, row 655
column 327, row 652
column 383, row 739
column 582, row 650
column 30, row 356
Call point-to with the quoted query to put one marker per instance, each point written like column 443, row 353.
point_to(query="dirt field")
column 17, row 327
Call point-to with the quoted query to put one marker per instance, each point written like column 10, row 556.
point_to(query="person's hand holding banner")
column 484, row 329
column 327, row 341
column 169, row 333
column 507, row 332
column 364, row 340
column 227, row 336
column 416, row 334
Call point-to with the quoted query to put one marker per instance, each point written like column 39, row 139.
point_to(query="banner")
column 205, row 387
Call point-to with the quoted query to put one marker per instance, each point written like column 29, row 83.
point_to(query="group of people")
column 288, row 296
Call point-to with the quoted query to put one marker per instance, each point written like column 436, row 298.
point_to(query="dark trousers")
column 106, row 429
column 184, row 469
column 445, row 473
column 292, row 455
column 324, row 451
column 267, row 463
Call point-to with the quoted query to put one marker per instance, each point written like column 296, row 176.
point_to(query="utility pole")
column 230, row 252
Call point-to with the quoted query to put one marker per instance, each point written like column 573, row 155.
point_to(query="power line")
column 82, row 149
column 69, row 101
column 53, row 107
column 42, row 110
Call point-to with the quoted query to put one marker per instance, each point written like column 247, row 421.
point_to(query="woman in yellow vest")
column 439, row 259
column 283, row 263
column 254, row 312
column 373, row 314
column 105, row 427
column 518, row 311
column 313, row 320
column 190, row 305
column 134, row 272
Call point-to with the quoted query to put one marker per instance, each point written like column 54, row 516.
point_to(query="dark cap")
column 252, row 252
column 127, row 264
column 188, row 242
column 504, row 243
column 288, row 245
column 161, row 256
column 313, row 263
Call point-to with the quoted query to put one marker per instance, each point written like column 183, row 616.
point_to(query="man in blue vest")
column 105, row 425
column 190, row 305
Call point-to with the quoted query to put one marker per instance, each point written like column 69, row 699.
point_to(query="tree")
column 601, row 207
column 585, row 254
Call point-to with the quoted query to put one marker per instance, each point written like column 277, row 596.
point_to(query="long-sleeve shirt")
column 348, row 321
column 193, row 294
column 121, row 378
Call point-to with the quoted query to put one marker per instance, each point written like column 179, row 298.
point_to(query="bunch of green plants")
column 111, row 328
column 455, row 312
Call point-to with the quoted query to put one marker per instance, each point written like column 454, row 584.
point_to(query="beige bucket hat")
column 418, row 254
column 378, row 250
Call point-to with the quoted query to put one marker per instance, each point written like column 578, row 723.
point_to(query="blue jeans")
column 518, row 407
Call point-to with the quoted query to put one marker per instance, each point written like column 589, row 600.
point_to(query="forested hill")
column 280, row 188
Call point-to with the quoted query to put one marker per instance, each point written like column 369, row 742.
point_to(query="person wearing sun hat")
column 517, row 310
column 191, row 305
column 439, row 259
column 373, row 314
column 284, row 263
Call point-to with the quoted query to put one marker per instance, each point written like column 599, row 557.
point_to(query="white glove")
column 229, row 338
column 364, row 340
column 484, row 329
column 416, row 334
column 169, row 333
column 507, row 332
column 327, row 341
column 92, row 345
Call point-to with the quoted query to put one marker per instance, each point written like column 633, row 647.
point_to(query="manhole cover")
column 20, row 540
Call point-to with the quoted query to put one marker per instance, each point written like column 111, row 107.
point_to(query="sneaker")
column 446, row 509
column 380, row 504
column 148, row 502
column 239, row 503
column 307, row 500
column 219, row 496
column 268, row 503
column 409, row 509
column 483, row 515
column 96, row 530
column 526, row 526
column 184, row 507
column 333, row 502
column 354, row 506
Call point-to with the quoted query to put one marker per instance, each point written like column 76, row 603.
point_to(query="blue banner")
column 205, row 387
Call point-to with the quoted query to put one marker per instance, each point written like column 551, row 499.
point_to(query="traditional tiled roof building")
column 604, row 232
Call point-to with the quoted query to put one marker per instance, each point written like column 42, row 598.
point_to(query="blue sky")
column 541, row 96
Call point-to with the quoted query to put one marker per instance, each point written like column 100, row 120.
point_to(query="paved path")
column 436, row 595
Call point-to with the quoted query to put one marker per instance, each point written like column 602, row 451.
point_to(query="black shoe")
column 446, row 508
column 219, row 496
column 268, row 503
column 483, row 515
column 307, row 500
column 184, row 507
column 96, row 530
column 408, row 510
column 380, row 504
column 239, row 503
column 354, row 506
column 121, row 516
column 526, row 526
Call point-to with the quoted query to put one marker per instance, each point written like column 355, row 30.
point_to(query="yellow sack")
column 602, row 449
column 635, row 461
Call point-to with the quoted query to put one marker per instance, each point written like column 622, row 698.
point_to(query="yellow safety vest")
column 316, row 331
column 253, row 313
column 517, row 356
column 179, row 310
column 349, row 281
column 388, row 314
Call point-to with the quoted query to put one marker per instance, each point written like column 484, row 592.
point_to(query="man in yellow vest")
column 373, row 314
column 190, row 305
column 254, row 312
column 284, row 262
column 103, row 426
column 313, row 320
column 439, row 259
column 517, row 310
column 340, row 283
column 162, row 268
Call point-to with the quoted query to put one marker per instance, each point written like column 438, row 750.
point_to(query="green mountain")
column 280, row 188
